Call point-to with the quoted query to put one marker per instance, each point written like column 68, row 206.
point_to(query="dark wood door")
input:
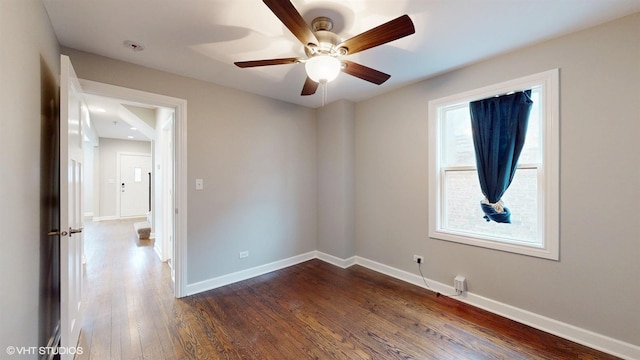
column 49, row 309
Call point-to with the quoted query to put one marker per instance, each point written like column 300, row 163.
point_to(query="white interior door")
column 167, row 193
column 71, row 239
column 134, row 185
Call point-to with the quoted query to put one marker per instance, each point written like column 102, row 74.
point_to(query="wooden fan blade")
column 309, row 87
column 291, row 18
column 389, row 31
column 364, row 73
column 267, row 62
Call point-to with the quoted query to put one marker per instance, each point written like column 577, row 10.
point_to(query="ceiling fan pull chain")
column 324, row 92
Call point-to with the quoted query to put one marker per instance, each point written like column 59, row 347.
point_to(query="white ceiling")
column 202, row 38
column 106, row 122
column 120, row 119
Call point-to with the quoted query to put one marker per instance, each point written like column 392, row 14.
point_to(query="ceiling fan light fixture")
column 323, row 47
column 322, row 68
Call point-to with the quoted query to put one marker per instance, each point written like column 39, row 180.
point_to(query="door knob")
column 56, row 232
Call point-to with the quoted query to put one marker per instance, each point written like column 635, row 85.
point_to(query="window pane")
column 464, row 215
column 457, row 142
column 457, row 139
column 530, row 153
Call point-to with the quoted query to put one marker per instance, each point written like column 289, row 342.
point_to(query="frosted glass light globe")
column 322, row 68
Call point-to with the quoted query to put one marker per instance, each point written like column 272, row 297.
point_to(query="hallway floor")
column 126, row 295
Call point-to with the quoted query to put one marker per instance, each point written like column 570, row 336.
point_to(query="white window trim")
column 549, row 172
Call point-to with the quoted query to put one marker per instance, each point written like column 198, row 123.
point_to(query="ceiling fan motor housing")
column 327, row 40
column 322, row 23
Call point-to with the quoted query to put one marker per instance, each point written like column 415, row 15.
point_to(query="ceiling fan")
column 324, row 49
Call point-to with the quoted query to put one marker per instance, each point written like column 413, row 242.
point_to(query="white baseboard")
column 405, row 276
column 333, row 260
column 158, row 252
column 116, row 217
column 567, row 331
column 133, row 217
column 247, row 273
column 105, row 218
column 88, row 214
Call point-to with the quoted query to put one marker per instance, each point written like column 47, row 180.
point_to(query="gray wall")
column 108, row 170
column 595, row 284
column 26, row 40
column 336, row 182
column 145, row 114
column 257, row 157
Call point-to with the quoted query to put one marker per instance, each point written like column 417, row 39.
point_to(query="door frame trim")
column 180, row 164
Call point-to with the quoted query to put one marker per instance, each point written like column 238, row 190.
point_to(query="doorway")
column 135, row 184
column 168, row 156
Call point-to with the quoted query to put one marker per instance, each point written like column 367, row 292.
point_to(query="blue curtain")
column 499, row 126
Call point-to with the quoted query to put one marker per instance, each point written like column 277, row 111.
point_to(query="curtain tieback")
column 497, row 206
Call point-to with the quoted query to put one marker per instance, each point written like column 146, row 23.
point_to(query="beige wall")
column 595, row 284
column 257, row 157
column 29, row 52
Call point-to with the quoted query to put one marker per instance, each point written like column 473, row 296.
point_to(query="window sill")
column 511, row 247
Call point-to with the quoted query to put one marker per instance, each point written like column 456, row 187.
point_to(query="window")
column 137, row 174
column 533, row 197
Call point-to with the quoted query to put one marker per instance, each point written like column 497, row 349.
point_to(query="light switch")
column 199, row 184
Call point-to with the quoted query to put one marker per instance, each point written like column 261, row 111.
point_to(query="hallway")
column 127, row 294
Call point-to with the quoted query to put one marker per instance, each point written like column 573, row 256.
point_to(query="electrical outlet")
column 460, row 284
column 244, row 254
column 418, row 259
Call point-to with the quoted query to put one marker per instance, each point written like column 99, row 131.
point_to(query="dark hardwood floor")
column 309, row 311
